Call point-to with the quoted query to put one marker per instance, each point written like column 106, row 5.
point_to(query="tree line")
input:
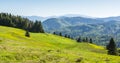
column 65, row 35
column 10, row 20
column 79, row 39
column 86, row 39
column 111, row 46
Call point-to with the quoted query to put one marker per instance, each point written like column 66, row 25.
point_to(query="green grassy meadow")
column 48, row 48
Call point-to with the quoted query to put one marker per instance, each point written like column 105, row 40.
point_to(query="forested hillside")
column 19, row 22
column 99, row 29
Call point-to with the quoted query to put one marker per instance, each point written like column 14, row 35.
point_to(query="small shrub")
column 27, row 34
column 58, row 51
column 42, row 61
column 107, row 60
column 79, row 60
column 0, row 41
column 49, row 50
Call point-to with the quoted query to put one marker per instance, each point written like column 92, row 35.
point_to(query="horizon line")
column 77, row 15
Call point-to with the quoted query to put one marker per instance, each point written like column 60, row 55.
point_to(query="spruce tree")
column 79, row 39
column 54, row 33
column 91, row 40
column 86, row 39
column 40, row 27
column 66, row 35
column 111, row 47
column 60, row 34
column 27, row 34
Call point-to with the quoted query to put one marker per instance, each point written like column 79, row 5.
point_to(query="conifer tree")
column 54, row 33
column 86, row 39
column 68, row 36
column 91, row 40
column 60, row 34
column 65, row 35
column 27, row 34
column 79, row 39
column 40, row 27
column 111, row 47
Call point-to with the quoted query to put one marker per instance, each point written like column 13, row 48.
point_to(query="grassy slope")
column 48, row 48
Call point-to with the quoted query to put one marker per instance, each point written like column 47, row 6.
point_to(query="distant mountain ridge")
column 33, row 18
column 85, row 26
column 117, row 18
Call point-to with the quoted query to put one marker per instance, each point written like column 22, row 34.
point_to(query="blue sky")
column 93, row 8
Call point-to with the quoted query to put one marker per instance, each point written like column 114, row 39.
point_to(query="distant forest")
column 19, row 22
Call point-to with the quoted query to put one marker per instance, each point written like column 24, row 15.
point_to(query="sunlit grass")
column 48, row 48
column 95, row 46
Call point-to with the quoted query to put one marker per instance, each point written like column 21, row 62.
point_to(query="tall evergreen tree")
column 65, row 35
column 111, row 47
column 60, row 34
column 91, row 40
column 79, row 39
column 86, row 39
column 68, row 36
column 54, row 33
column 39, row 27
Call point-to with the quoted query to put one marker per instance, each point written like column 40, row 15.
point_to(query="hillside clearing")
column 48, row 48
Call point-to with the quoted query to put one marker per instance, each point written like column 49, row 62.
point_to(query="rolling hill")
column 62, row 22
column 85, row 27
column 48, row 48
